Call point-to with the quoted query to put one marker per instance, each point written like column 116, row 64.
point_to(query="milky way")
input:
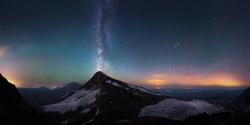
column 153, row 42
column 102, row 31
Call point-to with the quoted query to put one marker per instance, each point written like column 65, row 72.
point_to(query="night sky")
column 153, row 43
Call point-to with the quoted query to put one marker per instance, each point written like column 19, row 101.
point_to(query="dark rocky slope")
column 14, row 110
column 242, row 103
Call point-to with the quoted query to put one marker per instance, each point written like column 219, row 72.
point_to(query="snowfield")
column 144, row 90
column 80, row 99
column 132, row 86
column 113, row 83
column 179, row 110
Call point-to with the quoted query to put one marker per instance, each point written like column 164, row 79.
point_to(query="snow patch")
column 109, row 81
column 97, row 112
column 64, row 122
column 113, row 83
column 143, row 89
column 179, row 109
column 91, row 120
column 85, row 111
column 80, row 99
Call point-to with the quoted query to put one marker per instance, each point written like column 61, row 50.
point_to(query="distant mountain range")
column 43, row 96
column 218, row 96
column 106, row 101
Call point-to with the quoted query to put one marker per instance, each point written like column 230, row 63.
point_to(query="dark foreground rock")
column 15, row 111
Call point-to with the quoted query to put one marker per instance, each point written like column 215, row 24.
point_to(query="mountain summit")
column 97, row 79
column 100, row 75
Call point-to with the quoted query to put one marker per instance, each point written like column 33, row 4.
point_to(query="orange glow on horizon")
column 157, row 81
column 216, row 79
column 15, row 82
column 221, row 80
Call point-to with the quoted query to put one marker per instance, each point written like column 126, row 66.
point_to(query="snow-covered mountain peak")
column 96, row 81
column 102, row 89
column 103, row 97
column 101, row 80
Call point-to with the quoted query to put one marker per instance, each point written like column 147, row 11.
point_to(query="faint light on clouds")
column 2, row 51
